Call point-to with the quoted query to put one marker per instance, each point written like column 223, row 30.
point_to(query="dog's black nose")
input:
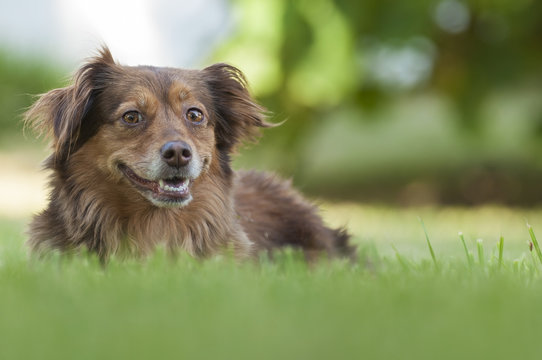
column 176, row 153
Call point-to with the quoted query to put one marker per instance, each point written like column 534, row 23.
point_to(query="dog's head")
column 154, row 130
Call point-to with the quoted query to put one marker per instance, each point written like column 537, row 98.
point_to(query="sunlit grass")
column 398, row 301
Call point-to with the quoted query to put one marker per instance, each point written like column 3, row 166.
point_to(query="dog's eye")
column 132, row 117
column 195, row 116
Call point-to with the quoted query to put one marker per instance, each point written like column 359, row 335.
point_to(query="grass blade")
column 501, row 249
column 402, row 261
column 535, row 243
column 469, row 259
column 429, row 244
column 480, row 246
column 534, row 268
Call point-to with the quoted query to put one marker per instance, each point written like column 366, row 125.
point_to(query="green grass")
column 392, row 305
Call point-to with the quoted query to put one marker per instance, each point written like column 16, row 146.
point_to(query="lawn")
column 394, row 304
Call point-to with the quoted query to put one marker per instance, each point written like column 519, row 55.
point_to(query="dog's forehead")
column 162, row 81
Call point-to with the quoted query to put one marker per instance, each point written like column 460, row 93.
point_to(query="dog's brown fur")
column 96, row 204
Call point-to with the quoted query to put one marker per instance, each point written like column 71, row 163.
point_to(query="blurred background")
column 398, row 102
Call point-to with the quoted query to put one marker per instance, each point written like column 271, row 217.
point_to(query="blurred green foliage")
column 21, row 78
column 312, row 55
column 412, row 101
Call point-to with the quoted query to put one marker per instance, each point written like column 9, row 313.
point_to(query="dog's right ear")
column 59, row 114
column 239, row 117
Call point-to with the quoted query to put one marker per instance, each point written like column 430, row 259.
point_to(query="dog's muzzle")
column 167, row 181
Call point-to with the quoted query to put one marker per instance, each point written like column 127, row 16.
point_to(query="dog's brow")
column 179, row 92
column 145, row 98
column 141, row 101
column 184, row 93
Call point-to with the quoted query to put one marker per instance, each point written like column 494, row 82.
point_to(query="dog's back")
column 274, row 215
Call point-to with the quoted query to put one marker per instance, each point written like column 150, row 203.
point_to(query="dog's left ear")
column 238, row 116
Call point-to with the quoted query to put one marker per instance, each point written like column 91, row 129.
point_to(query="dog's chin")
column 171, row 192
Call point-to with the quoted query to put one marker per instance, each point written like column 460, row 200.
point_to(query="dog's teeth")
column 182, row 186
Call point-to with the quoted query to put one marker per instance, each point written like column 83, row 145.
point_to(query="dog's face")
column 153, row 130
column 157, row 130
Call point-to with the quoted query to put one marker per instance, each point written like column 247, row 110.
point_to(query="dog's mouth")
column 174, row 191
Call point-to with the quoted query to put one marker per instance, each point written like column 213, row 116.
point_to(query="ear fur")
column 239, row 117
column 59, row 113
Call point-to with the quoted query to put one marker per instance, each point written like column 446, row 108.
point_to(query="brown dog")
column 141, row 156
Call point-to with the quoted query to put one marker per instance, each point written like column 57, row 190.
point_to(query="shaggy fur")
column 141, row 157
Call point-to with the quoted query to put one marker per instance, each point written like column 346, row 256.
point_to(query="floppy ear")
column 238, row 116
column 59, row 114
